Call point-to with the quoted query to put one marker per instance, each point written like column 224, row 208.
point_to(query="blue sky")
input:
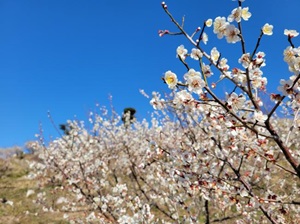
column 64, row 56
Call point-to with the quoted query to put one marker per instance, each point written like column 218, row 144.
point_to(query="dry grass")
column 14, row 185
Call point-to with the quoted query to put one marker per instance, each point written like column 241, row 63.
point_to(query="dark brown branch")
column 257, row 44
column 184, row 63
column 290, row 41
column 285, row 150
column 201, row 34
column 206, row 212
column 242, row 38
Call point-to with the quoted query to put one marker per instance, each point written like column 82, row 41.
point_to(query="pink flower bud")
column 163, row 32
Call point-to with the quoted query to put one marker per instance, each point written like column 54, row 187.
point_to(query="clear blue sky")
column 67, row 55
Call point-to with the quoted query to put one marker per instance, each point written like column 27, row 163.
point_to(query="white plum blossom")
column 245, row 60
column 181, row 52
column 204, row 38
column 235, row 15
column 239, row 76
column 285, row 86
column 196, row 84
column 260, row 117
column 156, row 102
column 291, row 33
column 238, row 13
column 289, row 55
column 220, row 25
column 223, row 64
column 206, row 70
column 182, row 97
column 259, row 82
column 296, row 86
column 295, row 65
column 255, row 73
column 208, row 22
column 191, row 73
column 232, row 34
column 214, row 55
column 246, row 14
column 267, row 29
column 196, row 54
column 235, row 101
column 260, row 59
column 171, row 79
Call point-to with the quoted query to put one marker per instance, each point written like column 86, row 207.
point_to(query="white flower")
column 260, row 117
column 246, row 14
column 255, row 73
column 214, row 55
column 291, row 33
column 206, row 70
column 294, row 64
column 220, row 26
column 259, row 60
column 181, row 52
column 195, row 84
column 235, row 15
column 196, row 54
column 245, row 60
column 235, row 101
column 156, row 102
column 208, row 22
column 232, row 34
column 285, row 86
column 204, row 38
column 191, row 73
column 259, row 82
column 182, row 97
column 267, row 29
column 223, row 64
column 171, row 79
column 289, row 54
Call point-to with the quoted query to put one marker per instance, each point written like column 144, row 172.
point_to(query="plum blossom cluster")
column 291, row 87
column 243, row 107
column 165, row 171
column 223, row 27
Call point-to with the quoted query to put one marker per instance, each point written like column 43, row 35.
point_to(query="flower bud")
column 164, row 5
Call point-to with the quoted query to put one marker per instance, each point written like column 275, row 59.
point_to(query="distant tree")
column 128, row 116
column 65, row 128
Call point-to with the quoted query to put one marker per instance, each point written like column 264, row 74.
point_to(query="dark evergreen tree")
column 65, row 128
column 128, row 116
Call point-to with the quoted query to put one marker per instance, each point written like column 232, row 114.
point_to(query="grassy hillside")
column 16, row 203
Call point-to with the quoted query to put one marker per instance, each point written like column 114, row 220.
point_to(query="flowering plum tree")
column 203, row 158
